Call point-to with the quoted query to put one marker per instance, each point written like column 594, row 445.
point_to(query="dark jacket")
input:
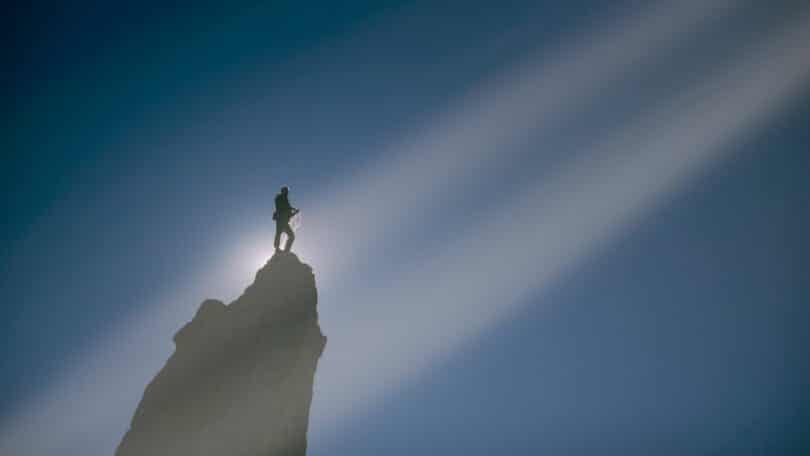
column 283, row 209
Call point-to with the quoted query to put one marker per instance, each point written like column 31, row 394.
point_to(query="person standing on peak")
column 282, row 215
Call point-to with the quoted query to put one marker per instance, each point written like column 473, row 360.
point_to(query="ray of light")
column 464, row 142
column 477, row 282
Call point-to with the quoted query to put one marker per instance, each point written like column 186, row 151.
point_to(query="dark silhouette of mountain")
column 240, row 379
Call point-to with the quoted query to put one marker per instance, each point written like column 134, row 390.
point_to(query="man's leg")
column 290, row 237
column 277, row 241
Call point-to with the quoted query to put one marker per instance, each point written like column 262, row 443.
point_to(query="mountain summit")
column 240, row 379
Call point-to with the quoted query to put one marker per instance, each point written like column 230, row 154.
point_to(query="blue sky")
column 535, row 226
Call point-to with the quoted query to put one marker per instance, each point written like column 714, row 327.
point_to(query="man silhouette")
column 284, row 212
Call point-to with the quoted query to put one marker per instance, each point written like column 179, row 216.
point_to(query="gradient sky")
column 559, row 227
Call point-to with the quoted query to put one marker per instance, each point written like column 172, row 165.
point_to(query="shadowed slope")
column 240, row 380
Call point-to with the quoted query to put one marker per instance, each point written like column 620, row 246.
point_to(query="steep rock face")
column 240, row 379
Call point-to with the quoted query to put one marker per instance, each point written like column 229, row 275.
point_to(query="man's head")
column 284, row 190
